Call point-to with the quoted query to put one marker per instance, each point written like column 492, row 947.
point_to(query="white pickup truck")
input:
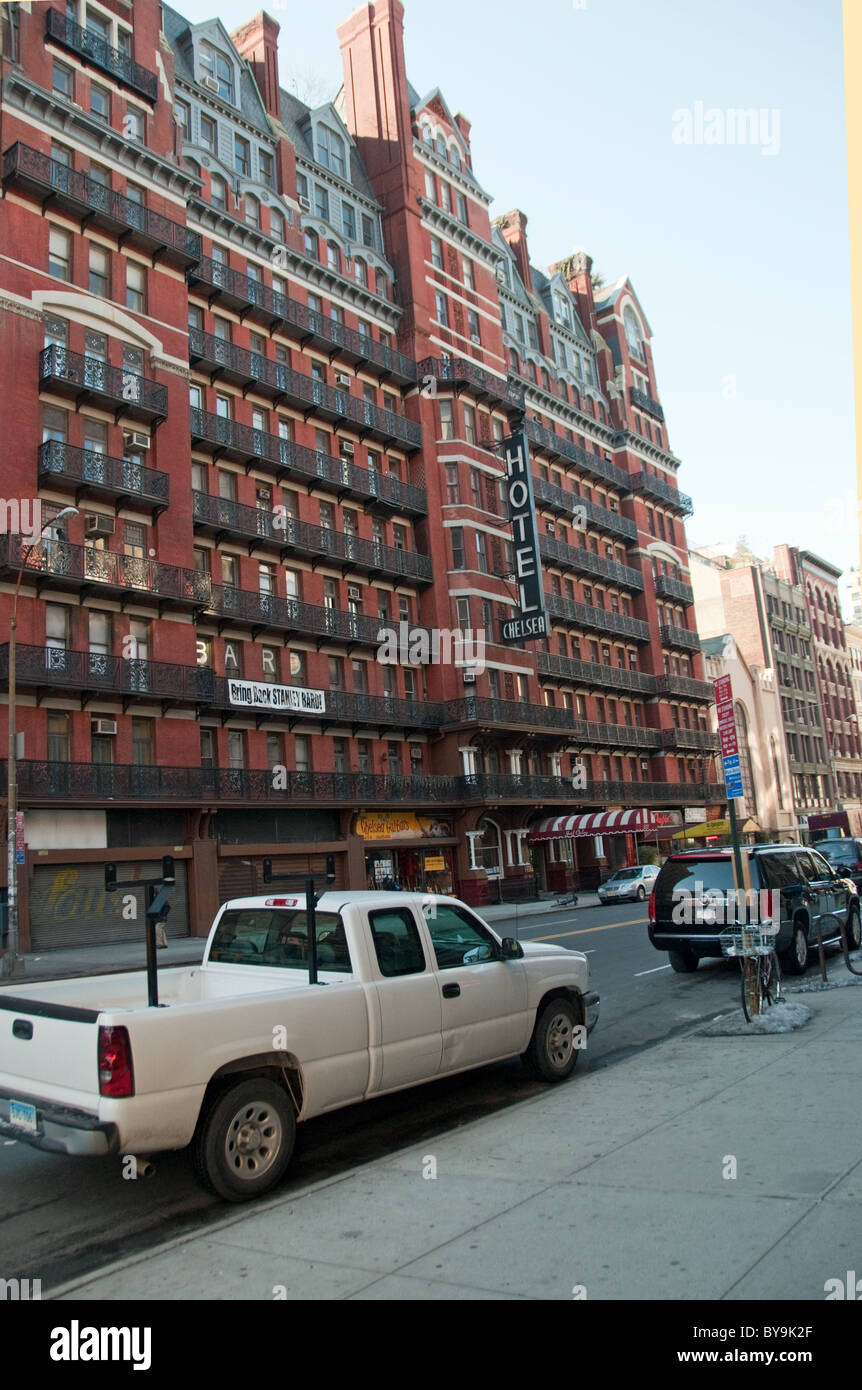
column 409, row 988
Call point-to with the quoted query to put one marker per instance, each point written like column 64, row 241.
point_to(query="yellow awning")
column 699, row 832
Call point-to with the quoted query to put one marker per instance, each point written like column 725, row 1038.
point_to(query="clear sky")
column 740, row 257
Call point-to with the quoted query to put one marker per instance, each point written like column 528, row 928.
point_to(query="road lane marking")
column 655, row 968
column 585, row 931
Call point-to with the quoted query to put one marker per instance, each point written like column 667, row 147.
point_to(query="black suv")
column 689, row 906
column 844, row 856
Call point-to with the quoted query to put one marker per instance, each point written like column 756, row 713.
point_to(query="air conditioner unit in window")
column 103, row 726
column 210, row 84
column 347, row 448
column 474, row 338
column 469, row 675
column 99, row 526
column 135, row 439
column 304, row 203
column 342, row 379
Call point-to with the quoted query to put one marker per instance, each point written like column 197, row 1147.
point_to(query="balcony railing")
column 680, row 637
column 657, row 487
column 532, row 789
column 461, row 372
column 101, row 476
column 686, row 686
column 594, row 673
column 286, row 385
column 250, row 445
column 507, row 714
column 690, row 738
column 596, row 619
column 576, row 557
column 291, row 615
column 559, row 447
column 568, row 502
column 95, row 50
column 668, row 586
column 219, row 514
column 645, row 402
column 36, row 172
column 64, row 565
column 90, row 379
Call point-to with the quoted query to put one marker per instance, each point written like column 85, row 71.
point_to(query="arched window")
column 311, row 244
column 252, row 210
column 454, row 156
column 440, row 145
column 634, row 337
column 218, row 68
column 381, row 284
column 491, row 848
column 360, row 272
column 749, row 795
column 333, row 256
column 427, row 135
column 330, row 149
column 276, row 224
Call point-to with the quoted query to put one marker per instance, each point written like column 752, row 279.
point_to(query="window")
column 396, row 942
column 348, row 220
column 459, row 938
column 100, row 272
column 436, row 253
column 461, row 208
column 468, row 274
column 333, row 258
column 453, row 488
column 360, row 272
column 216, row 66
column 447, row 423
column 182, row 111
column 133, row 124
column 368, row 237
column 64, row 83
column 209, row 134
column 276, row 224
column 430, row 186
column 218, row 192
column 473, row 325
column 59, row 745
column 459, row 559
column 136, row 287
column 266, row 168
column 241, row 155
column 330, row 149
column 442, row 309
column 321, row 203
column 54, row 424
column 60, row 254
column 252, row 210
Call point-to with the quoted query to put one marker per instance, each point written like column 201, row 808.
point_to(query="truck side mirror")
column 512, row 949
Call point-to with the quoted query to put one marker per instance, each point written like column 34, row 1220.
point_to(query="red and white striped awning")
column 596, row 823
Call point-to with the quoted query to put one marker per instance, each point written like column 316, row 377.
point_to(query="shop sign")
column 434, row 863
column 529, row 621
column 260, row 695
column 401, row 825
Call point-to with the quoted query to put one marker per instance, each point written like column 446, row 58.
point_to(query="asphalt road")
column 60, row 1216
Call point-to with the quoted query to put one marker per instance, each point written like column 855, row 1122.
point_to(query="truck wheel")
column 854, row 929
column 552, row 1053
column 794, row 960
column 245, row 1141
column 683, row 962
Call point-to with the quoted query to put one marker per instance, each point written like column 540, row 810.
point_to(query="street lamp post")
column 9, row 962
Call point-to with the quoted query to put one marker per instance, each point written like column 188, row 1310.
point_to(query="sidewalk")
column 189, row 950
column 617, row 1182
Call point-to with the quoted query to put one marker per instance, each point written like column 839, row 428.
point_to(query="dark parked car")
column 689, row 906
column 844, row 855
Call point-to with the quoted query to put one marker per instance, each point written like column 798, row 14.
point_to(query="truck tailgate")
column 49, row 1049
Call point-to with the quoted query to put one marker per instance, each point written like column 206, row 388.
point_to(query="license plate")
column 24, row 1116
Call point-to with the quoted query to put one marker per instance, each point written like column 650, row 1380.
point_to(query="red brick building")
column 269, row 353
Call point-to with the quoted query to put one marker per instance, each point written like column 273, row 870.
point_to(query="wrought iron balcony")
column 575, row 557
column 484, row 787
column 229, row 439
column 702, row 739
column 48, row 782
column 220, row 516
column 565, row 502
column 460, row 372
column 310, row 325
column 90, row 380
column 77, row 193
column 249, row 297
column 596, row 619
column 645, row 402
column 291, row 615
column 95, row 50
column 97, row 475
column 273, row 378
column 668, row 586
column 686, row 686
column 61, row 565
column 558, row 447
column 508, row 714
column 680, row 637
column 657, row 487
column 594, row 673
column 55, row 668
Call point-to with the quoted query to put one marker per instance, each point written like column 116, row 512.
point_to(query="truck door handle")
column 451, row 991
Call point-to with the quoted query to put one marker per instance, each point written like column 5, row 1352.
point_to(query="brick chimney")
column 257, row 42
column 376, row 104
column 513, row 225
column 576, row 270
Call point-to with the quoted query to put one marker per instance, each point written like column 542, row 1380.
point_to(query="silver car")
column 626, row 885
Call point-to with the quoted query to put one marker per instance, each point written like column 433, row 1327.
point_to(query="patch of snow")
column 783, row 1017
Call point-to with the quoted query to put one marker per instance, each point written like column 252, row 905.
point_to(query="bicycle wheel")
column 752, row 987
column 772, row 978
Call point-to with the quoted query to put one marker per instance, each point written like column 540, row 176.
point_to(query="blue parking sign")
column 733, row 776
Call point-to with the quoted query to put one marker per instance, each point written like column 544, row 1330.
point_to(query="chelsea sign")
column 530, row 621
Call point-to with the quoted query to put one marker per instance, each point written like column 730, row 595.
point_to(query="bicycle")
column 754, row 948
column 568, row 900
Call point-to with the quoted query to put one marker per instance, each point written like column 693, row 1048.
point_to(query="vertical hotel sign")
column 727, row 736
column 529, row 621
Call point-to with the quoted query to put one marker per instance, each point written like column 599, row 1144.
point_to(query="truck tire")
column 794, row 961
column 683, row 962
column 245, row 1140
column 552, row 1053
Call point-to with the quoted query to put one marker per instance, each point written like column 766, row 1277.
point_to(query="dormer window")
column 252, row 210
column 454, row 157
column 330, row 150
column 217, row 67
column 440, row 145
column 633, row 333
column 427, row 135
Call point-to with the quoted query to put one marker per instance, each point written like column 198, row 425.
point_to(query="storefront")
column 582, row 850
column 413, row 851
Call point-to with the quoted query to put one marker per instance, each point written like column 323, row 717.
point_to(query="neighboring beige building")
column 766, row 778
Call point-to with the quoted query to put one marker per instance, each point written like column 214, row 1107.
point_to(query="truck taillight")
column 771, row 906
column 116, row 1077
column 652, row 907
